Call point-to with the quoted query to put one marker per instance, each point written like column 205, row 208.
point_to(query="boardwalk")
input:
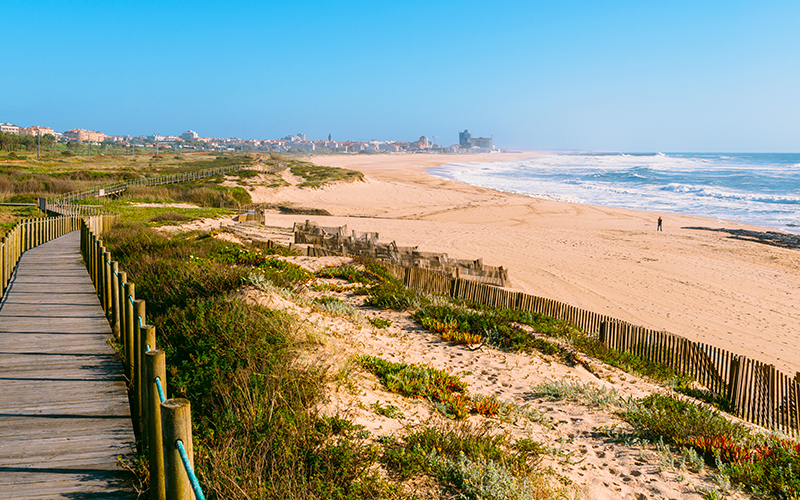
column 64, row 415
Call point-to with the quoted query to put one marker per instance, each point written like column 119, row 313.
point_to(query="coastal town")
column 295, row 143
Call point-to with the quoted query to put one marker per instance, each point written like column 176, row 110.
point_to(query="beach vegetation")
column 380, row 322
column 256, row 430
column 388, row 411
column 500, row 328
column 316, row 176
column 335, row 307
column 767, row 466
column 472, row 462
column 586, row 393
column 421, row 381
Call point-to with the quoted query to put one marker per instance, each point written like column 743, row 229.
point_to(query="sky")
column 656, row 76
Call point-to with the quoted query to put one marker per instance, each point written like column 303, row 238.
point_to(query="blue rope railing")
column 161, row 395
column 179, row 446
column 198, row 492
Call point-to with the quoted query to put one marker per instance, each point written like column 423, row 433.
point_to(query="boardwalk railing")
column 111, row 189
column 162, row 426
column 27, row 234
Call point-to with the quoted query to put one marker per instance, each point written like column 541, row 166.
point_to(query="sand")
column 595, row 466
column 738, row 295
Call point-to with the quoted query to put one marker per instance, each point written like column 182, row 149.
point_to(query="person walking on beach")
column 659, row 224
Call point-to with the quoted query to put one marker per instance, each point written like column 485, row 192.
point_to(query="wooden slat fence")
column 366, row 245
column 756, row 392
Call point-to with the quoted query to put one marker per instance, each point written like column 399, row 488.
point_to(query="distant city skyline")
column 96, row 136
column 573, row 75
column 191, row 140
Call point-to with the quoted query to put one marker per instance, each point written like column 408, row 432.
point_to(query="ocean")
column 759, row 188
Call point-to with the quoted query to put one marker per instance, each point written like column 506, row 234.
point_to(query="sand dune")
column 738, row 295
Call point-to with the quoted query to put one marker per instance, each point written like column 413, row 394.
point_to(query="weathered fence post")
column 147, row 342
column 733, row 386
column 107, row 284
column 115, row 315
column 130, row 296
column 123, row 309
column 2, row 266
column 98, row 283
column 155, row 368
column 138, row 322
column 176, row 425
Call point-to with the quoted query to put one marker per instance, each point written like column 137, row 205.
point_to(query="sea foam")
column 761, row 189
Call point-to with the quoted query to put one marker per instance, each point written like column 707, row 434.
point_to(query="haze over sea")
column 754, row 188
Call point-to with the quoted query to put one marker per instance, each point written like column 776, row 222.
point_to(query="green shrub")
column 380, row 322
column 392, row 295
column 169, row 217
column 589, row 394
column 317, row 176
column 498, row 328
column 350, row 273
column 420, row 381
column 767, row 468
column 678, row 421
column 256, row 430
column 774, row 475
column 421, row 450
column 284, row 274
column 388, row 411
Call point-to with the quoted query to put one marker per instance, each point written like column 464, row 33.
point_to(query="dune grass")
column 257, row 433
column 316, row 176
column 766, row 466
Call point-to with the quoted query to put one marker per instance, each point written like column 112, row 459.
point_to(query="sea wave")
column 762, row 189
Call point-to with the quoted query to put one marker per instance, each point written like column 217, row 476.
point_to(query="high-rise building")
column 466, row 141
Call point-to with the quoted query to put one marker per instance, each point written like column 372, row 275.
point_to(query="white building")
column 7, row 128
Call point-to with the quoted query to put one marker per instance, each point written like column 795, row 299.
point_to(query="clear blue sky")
column 616, row 76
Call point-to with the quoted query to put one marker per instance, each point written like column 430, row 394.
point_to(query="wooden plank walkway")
column 64, row 413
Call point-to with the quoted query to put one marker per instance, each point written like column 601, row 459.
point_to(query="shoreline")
column 703, row 285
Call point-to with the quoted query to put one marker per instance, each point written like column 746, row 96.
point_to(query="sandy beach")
column 738, row 295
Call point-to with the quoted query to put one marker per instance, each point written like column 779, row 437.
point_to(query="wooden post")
column 138, row 322
column 115, row 313
column 155, row 367
column 123, row 325
column 147, row 342
column 107, row 284
column 2, row 266
column 733, row 386
column 98, row 283
column 176, row 424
